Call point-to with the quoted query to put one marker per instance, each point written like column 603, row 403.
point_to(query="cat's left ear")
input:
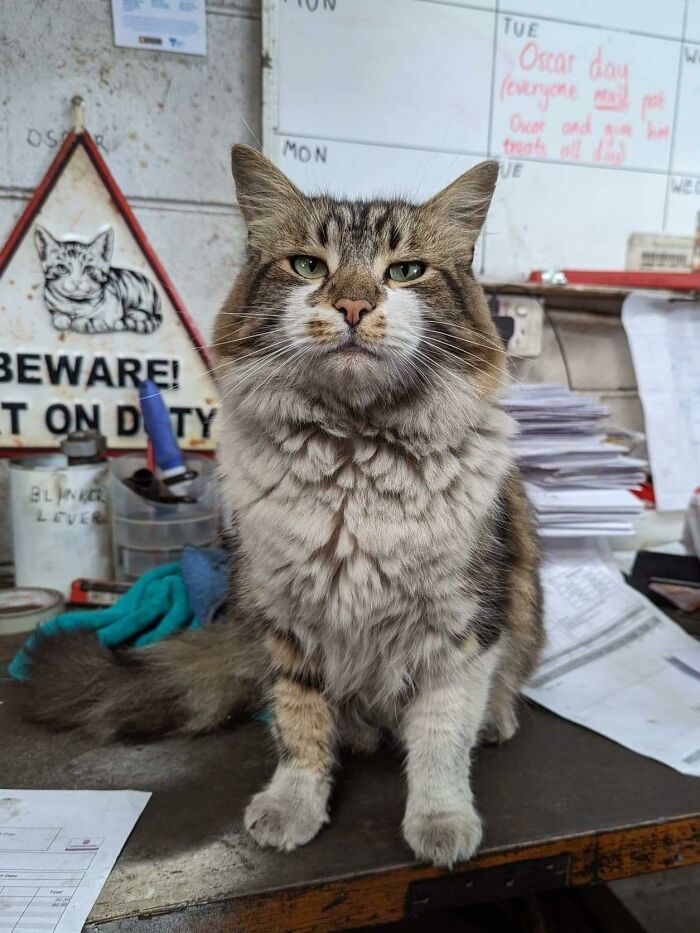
column 466, row 201
column 103, row 244
column 45, row 243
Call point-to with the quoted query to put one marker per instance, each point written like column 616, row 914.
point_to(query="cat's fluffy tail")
column 187, row 684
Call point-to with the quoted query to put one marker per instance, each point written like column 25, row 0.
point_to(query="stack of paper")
column 577, row 479
column 551, row 410
column 565, row 513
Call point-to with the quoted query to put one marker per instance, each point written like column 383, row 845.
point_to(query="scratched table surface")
column 555, row 788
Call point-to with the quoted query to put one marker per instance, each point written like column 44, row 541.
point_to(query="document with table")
column 57, row 848
column 614, row 662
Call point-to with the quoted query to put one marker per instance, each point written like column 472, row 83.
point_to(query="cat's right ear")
column 262, row 190
column 103, row 244
column 464, row 203
column 44, row 242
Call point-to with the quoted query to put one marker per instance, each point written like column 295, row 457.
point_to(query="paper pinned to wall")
column 161, row 25
column 57, row 848
column 614, row 662
column 664, row 339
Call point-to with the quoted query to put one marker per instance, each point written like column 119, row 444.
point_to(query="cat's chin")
column 353, row 362
column 355, row 375
column 353, row 351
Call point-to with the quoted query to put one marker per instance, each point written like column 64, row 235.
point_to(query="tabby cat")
column 385, row 570
column 86, row 294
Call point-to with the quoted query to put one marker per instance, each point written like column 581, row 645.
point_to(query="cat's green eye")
column 88, row 270
column 309, row 267
column 405, row 271
column 62, row 269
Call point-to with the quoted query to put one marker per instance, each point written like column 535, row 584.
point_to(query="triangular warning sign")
column 87, row 312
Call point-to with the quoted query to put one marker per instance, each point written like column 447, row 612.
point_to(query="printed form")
column 614, row 662
column 57, row 848
column 664, row 339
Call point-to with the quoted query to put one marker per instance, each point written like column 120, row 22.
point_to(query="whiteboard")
column 592, row 107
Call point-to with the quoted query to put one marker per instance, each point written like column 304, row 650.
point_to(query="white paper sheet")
column 614, row 662
column 161, row 25
column 664, row 338
column 57, row 848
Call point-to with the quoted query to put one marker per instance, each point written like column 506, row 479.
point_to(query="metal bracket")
column 488, row 884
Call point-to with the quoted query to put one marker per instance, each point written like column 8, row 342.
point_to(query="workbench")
column 562, row 806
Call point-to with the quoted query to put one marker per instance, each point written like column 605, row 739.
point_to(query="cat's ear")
column 262, row 190
column 466, row 201
column 45, row 243
column 103, row 244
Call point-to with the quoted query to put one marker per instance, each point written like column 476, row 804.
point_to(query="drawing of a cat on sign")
column 85, row 293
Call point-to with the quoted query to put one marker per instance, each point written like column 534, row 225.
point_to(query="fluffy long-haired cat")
column 83, row 292
column 385, row 571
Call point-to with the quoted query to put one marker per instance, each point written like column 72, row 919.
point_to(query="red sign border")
column 71, row 142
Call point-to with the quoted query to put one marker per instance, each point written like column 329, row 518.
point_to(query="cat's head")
column 75, row 270
column 361, row 300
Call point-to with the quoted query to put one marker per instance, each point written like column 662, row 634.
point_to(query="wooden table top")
column 555, row 792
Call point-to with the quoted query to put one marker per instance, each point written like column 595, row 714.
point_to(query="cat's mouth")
column 76, row 299
column 353, row 349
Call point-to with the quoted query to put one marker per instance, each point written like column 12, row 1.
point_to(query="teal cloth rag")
column 153, row 608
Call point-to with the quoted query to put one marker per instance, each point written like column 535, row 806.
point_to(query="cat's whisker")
column 473, row 340
column 299, row 353
column 443, row 352
column 474, row 343
column 252, row 368
column 406, row 363
column 478, row 366
column 247, row 337
column 461, row 403
column 254, row 311
column 240, row 372
column 214, row 369
column 473, row 334
column 275, row 370
column 469, row 351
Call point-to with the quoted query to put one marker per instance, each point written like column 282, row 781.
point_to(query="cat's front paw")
column 61, row 321
column 443, row 837
column 501, row 724
column 98, row 326
column 282, row 822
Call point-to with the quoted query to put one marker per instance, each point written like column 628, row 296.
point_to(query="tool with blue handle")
column 167, row 454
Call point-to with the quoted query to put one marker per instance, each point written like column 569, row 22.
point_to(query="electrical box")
column 528, row 319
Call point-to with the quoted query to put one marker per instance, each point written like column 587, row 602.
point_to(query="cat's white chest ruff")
column 349, row 536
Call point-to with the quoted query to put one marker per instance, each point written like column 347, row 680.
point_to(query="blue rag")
column 205, row 572
column 182, row 595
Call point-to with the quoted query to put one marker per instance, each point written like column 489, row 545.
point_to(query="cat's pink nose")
column 353, row 310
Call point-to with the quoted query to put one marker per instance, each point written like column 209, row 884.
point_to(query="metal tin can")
column 21, row 610
column 60, row 521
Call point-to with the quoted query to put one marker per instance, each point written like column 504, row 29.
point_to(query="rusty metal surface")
column 554, row 780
